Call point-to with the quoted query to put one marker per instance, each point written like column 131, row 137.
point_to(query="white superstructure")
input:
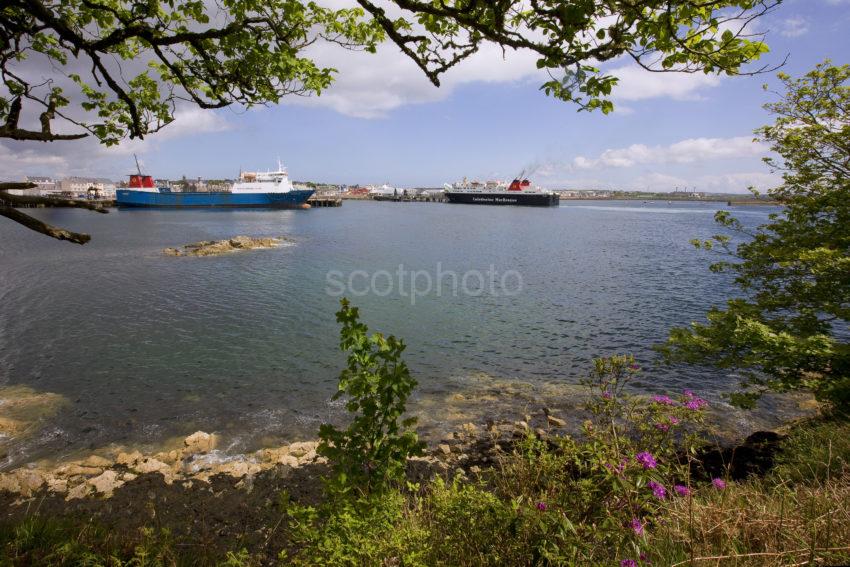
column 475, row 186
column 268, row 182
column 384, row 190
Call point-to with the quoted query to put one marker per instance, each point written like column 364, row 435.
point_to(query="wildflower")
column 673, row 420
column 688, row 393
column 541, row 506
column 646, row 459
column 606, row 395
column 666, row 400
column 696, row 403
column 682, row 490
column 665, row 427
column 617, row 469
column 718, row 483
column 628, row 563
column 634, row 367
column 658, row 490
column 644, row 557
column 637, row 526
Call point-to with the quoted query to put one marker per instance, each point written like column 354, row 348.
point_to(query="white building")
column 44, row 185
column 74, row 186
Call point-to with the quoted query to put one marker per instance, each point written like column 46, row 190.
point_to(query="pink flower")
column 696, row 404
column 637, row 526
column 673, row 420
column 682, row 490
column 643, row 557
column 606, row 395
column 634, row 367
column 665, row 400
column 658, row 490
column 718, row 483
column 688, row 393
column 646, row 459
column 541, row 506
column 628, row 563
column 662, row 427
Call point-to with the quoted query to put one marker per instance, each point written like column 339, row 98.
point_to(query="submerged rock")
column 22, row 408
column 216, row 247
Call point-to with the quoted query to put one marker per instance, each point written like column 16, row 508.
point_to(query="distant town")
column 102, row 189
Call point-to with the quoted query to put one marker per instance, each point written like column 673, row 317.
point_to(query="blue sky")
column 383, row 123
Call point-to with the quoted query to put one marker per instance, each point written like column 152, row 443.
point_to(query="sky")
column 383, row 122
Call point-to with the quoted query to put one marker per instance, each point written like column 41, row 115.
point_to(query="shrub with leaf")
column 597, row 497
column 373, row 450
column 788, row 329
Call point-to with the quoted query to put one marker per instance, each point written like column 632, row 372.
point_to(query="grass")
column 797, row 514
column 760, row 522
column 39, row 540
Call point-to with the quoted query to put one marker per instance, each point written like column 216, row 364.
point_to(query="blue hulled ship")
column 270, row 189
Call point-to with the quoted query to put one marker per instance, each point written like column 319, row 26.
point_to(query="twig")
column 760, row 554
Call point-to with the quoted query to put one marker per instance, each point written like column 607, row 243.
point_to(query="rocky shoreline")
column 217, row 502
column 199, row 460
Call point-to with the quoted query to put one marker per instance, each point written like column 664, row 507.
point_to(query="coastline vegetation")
column 630, row 489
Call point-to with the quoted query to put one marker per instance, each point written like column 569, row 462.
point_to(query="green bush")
column 369, row 530
column 374, row 449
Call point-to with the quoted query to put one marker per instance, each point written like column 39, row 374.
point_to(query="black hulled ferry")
column 519, row 192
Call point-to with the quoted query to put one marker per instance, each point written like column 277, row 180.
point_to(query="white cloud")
column 709, row 164
column 691, row 150
column 794, row 26
column 371, row 85
column 636, row 83
column 88, row 157
column 188, row 121
column 16, row 163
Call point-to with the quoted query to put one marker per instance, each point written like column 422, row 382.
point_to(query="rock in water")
column 216, row 247
column 199, row 442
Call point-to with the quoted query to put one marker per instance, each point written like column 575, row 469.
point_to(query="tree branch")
column 20, row 200
column 42, row 227
column 10, row 128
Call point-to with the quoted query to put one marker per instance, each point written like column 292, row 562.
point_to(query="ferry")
column 518, row 192
column 270, row 189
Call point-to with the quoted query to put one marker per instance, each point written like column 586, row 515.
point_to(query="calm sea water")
column 146, row 347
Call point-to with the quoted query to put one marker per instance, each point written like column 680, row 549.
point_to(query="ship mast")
column 139, row 169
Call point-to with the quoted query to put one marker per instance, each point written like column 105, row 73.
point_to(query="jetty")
column 324, row 201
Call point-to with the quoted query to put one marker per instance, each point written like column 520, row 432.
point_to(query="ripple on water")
column 144, row 347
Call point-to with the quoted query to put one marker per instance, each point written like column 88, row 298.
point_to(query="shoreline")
column 224, row 505
column 199, row 458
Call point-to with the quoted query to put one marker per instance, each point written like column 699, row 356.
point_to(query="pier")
column 324, row 201
column 410, row 198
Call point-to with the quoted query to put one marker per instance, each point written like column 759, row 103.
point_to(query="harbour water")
column 144, row 347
